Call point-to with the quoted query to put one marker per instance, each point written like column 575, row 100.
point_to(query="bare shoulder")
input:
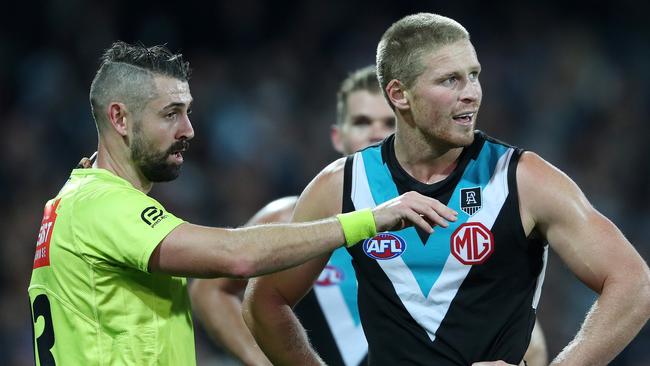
column 276, row 211
column 334, row 170
column 532, row 169
column 323, row 196
column 587, row 241
column 546, row 194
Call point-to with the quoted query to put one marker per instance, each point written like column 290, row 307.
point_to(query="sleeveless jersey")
column 330, row 314
column 93, row 301
column 463, row 294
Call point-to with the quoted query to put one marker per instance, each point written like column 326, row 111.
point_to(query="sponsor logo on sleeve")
column 153, row 215
column 384, row 246
column 42, row 255
column 472, row 243
column 330, row 276
column 470, row 200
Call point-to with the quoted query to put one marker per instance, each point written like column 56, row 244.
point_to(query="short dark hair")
column 361, row 79
column 126, row 74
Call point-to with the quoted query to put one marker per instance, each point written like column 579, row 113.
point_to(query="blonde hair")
column 402, row 46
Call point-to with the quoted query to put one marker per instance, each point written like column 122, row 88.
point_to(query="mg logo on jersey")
column 384, row 246
column 472, row 243
column 330, row 276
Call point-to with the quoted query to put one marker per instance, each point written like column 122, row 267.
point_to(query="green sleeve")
column 121, row 227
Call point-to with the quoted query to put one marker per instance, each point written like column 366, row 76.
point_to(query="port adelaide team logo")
column 384, row 246
column 470, row 200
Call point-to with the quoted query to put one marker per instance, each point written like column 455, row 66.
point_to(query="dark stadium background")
column 567, row 80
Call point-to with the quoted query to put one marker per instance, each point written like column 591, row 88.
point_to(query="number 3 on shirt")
column 45, row 341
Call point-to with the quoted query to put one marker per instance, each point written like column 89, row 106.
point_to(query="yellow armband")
column 357, row 225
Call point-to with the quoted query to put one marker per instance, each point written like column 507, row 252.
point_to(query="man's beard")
column 154, row 165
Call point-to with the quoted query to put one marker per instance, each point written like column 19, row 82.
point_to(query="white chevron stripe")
column 454, row 272
column 349, row 338
column 361, row 195
column 430, row 311
column 540, row 279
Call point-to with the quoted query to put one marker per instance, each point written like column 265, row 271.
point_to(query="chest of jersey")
column 480, row 263
column 477, row 194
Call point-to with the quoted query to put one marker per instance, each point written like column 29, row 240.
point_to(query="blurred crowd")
column 566, row 81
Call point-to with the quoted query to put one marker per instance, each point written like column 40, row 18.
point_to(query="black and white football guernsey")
column 463, row 294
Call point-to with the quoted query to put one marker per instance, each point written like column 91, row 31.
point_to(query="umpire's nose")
column 185, row 129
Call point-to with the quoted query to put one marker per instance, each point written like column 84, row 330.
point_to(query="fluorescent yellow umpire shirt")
column 93, row 300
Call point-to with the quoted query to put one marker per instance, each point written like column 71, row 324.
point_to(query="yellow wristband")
column 357, row 225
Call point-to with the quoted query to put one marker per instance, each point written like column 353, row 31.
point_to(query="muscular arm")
column 204, row 252
column 596, row 252
column 269, row 299
column 217, row 302
column 200, row 251
column 268, row 312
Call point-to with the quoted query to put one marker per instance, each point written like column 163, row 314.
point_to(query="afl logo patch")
column 472, row 243
column 384, row 246
column 330, row 276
